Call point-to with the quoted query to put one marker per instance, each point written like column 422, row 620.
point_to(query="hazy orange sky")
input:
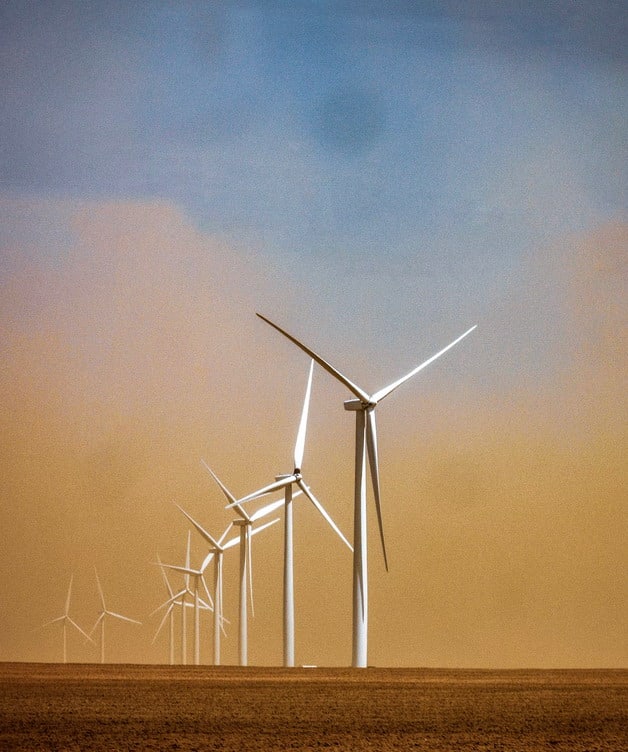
column 139, row 353
column 376, row 179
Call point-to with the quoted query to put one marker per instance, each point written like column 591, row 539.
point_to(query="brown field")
column 122, row 707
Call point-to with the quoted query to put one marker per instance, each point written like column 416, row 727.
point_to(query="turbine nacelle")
column 354, row 405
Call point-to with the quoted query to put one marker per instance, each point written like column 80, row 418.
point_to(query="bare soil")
column 121, row 707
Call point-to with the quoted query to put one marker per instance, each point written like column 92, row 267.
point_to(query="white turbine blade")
column 300, row 443
column 187, row 563
column 224, row 535
column 322, row 510
column 98, row 620
column 162, row 622
column 165, row 578
column 53, row 621
column 67, row 600
column 206, row 561
column 171, row 601
column 231, row 542
column 378, row 396
column 270, row 508
column 230, row 497
column 274, row 486
column 209, row 598
column 371, row 447
column 102, row 597
column 209, row 538
column 124, row 618
column 76, row 626
column 359, row 393
column 185, row 570
column 256, row 530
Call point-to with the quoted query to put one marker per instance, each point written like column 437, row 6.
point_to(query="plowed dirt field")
column 120, row 707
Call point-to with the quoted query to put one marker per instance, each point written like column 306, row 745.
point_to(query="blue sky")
column 380, row 176
column 326, row 128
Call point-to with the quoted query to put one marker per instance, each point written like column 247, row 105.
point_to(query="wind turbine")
column 286, row 482
column 365, row 445
column 66, row 619
column 169, row 615
column 101, row 619
column 244, row 522
column 218, row 547
column 175, row 599
column 197, row 603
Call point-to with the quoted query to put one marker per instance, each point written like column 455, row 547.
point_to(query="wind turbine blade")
column 231, row 542
column 165, row 578
column 162, row 622
column 209, row 538
column 172, row 601
column 268, row 509
column 67, row 600
column 102, row 597
column 124, row 618
column 184, row 570
column 224, row 535
column 207, row 593
column 322, row 510
column 256, row 530
column 300, row 443
column 206, row 561
column 371, row 447
column 230, row 497
column 53, row 621
column 76, row 626
column 359, row 393
column 97, row 622
column 274, row 486
column 378, row 396
column 250, row 566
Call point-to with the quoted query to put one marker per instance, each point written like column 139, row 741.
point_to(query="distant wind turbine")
column 286, row 482
column 245, row 523
column 169, row 615
column 175, row 599
column 66, row 619
column 218, row 547
column 102, row 616
column 365, row 444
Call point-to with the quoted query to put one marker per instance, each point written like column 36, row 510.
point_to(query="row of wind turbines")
column 363, row 405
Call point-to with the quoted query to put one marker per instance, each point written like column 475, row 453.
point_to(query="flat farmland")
column 129, row 707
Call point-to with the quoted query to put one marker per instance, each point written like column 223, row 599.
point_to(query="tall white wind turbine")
column 66, row 619
column 365, row 445
column 286, row 482
column 103, row 615
column 245, row 523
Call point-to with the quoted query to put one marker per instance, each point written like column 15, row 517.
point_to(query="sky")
column 376, row 178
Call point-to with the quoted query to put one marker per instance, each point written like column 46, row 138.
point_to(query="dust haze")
column 136, row 352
